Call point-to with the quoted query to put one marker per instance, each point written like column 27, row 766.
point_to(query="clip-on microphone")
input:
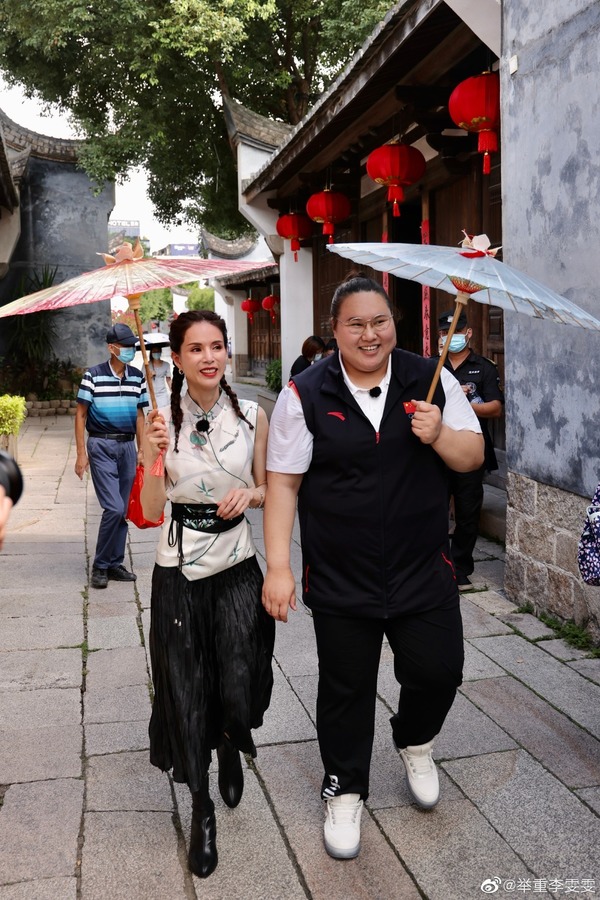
column 202, row 425
column 375, row 392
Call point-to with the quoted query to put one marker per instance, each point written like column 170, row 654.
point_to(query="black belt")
column 198, row 517
column 112, row 437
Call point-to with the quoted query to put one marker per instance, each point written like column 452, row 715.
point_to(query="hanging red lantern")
column 295, row 227
column 270, row 303
column 328, row 208
column 475, row 106
column 394, row 165
column 250, row 307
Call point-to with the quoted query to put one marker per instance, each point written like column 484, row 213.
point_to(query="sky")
column 131, row 198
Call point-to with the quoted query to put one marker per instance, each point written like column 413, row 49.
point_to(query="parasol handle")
column 461, row 300
column 134, row 306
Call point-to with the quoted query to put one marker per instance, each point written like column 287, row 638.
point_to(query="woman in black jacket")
column 312, row 350
column 355, row 442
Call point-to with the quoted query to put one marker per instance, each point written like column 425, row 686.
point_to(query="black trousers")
column 467, row 490
column 428, row 661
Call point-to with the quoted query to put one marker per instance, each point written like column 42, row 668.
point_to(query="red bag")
column 135, row 513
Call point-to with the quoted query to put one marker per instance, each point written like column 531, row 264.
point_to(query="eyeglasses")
column 378, row 323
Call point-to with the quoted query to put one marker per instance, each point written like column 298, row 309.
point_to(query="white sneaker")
column 421, row 774
column 342, row 826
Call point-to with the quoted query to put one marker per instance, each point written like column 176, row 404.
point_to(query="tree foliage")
column 201, row 298
column 157, row 305
column 144, row 82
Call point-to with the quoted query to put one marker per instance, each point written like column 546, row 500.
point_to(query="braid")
column 234, row 401
column 176, row 412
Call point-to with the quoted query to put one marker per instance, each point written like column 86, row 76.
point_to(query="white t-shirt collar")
column 383, row 384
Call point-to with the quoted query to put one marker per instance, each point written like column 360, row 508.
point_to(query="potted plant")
column 267, row 398
column 12, row 416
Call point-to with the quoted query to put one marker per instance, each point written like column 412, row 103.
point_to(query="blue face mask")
column 458, row 342
column 126, row 354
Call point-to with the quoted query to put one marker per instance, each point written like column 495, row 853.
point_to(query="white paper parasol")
column 469, row 270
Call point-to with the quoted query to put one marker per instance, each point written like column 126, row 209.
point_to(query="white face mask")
column 318, row 356
column 155, row 355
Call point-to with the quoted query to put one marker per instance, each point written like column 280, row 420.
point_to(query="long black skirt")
column 211, row 645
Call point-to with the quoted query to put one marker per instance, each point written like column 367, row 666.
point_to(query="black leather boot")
column 203, row 856
column 231, row 775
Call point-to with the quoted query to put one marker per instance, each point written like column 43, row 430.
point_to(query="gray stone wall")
column 64, row 225
column 551, row 230
column 543, row 525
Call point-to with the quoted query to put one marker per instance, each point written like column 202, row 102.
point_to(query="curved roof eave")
column 41, row 146
column 335, row 98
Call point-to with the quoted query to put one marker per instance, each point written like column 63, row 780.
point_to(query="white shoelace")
column 420, row 765
column 344, row 814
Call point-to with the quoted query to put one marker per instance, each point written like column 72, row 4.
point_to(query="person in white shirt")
column 160, row 371
column 366, row 456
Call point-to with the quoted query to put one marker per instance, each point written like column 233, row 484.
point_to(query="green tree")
column 156, row 304
column 144, row 82
column 201, row 298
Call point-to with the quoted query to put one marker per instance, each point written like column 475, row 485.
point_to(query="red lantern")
column 475, row 106
column 269, row 303
column 328, row 207
column 295, row 227
column 394, row 165
column 250, row 307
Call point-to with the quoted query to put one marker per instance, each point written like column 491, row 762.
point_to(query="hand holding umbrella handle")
column 461, row 300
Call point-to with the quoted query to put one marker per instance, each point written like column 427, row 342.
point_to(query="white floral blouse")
column 208, row 464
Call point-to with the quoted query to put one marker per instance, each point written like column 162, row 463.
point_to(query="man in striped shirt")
column 110, row 406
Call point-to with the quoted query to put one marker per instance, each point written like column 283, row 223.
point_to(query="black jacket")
column 481, row 374
column 373, row 507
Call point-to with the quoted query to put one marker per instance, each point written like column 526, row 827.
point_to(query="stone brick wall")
column 543, row 526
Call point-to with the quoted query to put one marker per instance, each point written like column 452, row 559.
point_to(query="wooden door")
column 264, row 341
column 473, row 202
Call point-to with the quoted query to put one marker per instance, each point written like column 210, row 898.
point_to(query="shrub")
column 12, row 413
column 273, row 375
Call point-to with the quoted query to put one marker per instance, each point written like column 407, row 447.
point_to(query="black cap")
column 121, row 334
column 446, row 318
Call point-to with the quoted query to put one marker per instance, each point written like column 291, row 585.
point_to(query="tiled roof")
column 254, row 275
column 243, row 124
column 17, row 137
column 227, row 249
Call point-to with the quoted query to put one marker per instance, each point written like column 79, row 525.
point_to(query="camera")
column 10, row 477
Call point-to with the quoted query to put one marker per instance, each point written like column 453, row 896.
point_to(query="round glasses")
column 377, row 323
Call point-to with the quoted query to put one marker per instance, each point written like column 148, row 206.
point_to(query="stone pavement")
column 84, row 815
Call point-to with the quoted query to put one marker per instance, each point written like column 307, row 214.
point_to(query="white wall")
column 296, row 305
column 296, row 279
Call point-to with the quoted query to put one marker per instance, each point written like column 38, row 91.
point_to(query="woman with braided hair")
column 211, row 641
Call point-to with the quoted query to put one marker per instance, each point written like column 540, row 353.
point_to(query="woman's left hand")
column 426, row 422
column 235, row 502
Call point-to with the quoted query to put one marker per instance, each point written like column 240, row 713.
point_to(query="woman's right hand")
column 156, row 437
column 279, row 593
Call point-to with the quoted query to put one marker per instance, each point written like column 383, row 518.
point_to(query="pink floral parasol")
column 126, row 273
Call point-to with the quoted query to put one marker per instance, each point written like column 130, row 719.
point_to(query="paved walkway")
column 84, row 815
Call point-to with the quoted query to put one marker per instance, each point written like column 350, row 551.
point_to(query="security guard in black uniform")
column 481, row 383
